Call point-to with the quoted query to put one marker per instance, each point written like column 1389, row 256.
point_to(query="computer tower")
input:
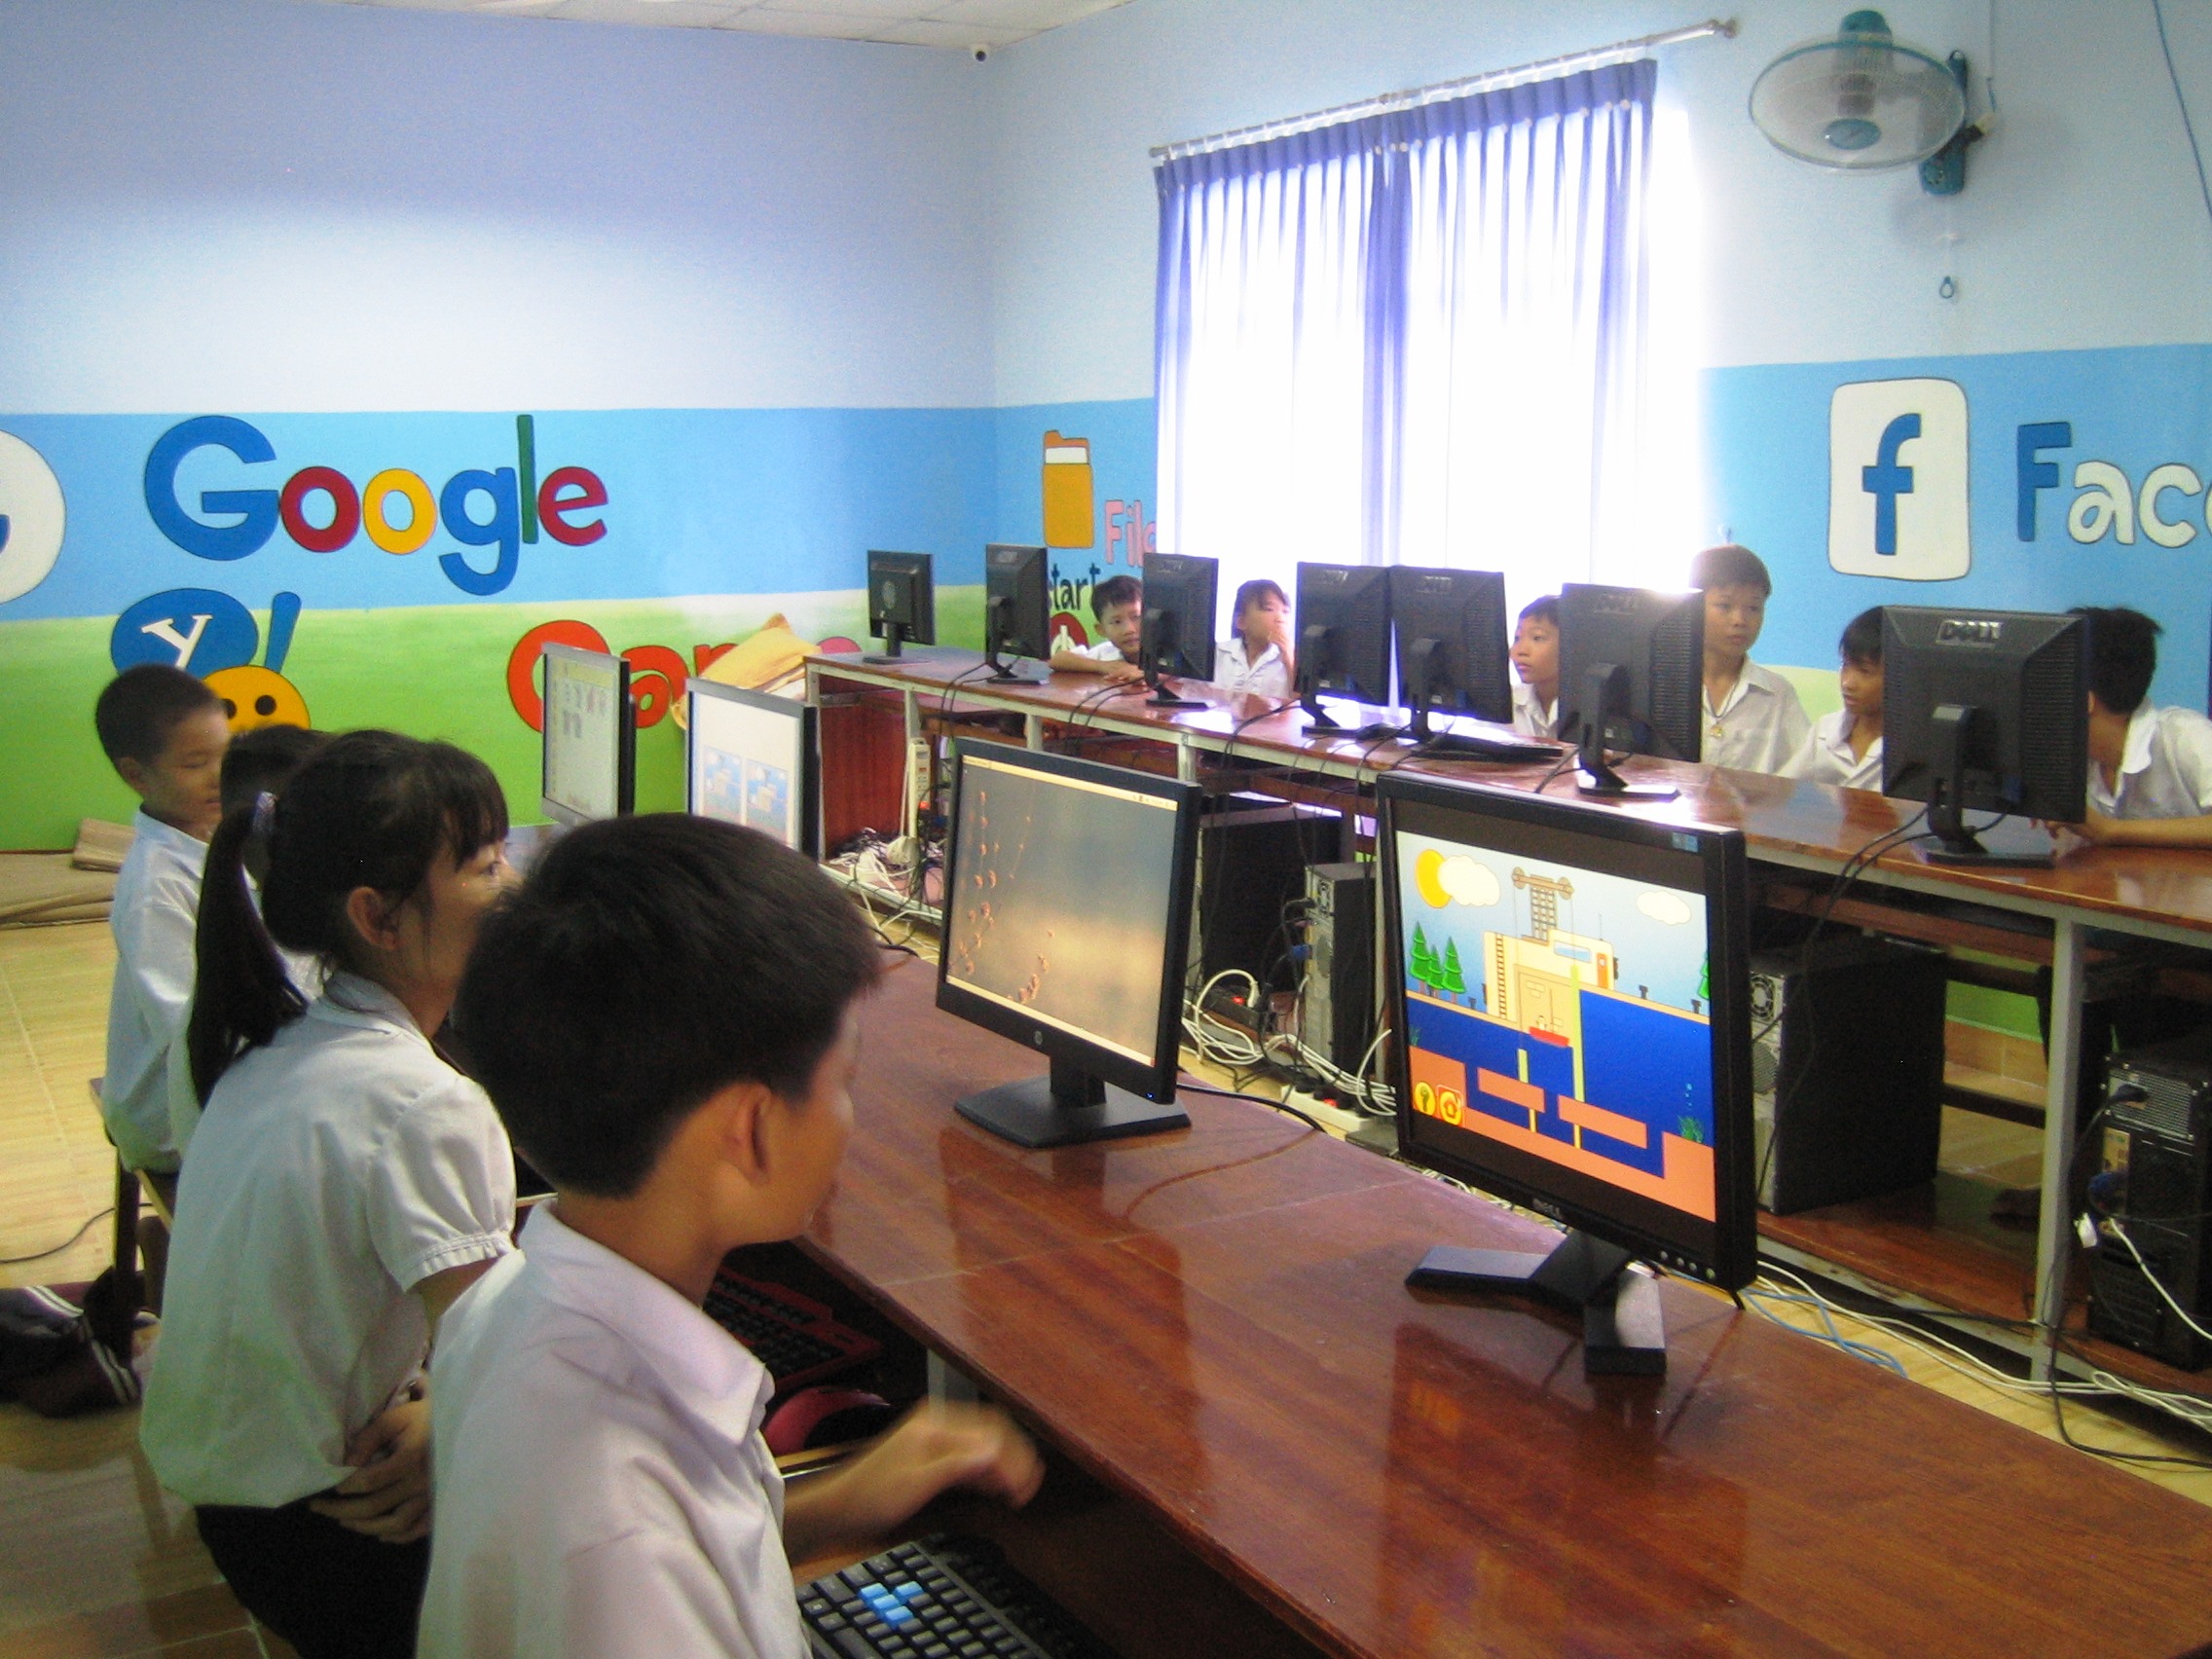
column 2154, row 1180
column 1252, row 859
column 1337, row 1017
column 1847, row 1069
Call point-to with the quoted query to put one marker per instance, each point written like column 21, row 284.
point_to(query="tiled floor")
column 95, row 1559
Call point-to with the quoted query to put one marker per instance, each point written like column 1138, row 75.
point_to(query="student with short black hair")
column 2150, row 768
column 664, row 1015
column 1116, row 604
column 1845, row 747
column 1753, row 720
column 1535, row 668
column 164, row 733
column 344, row 1184
column 1258, row 658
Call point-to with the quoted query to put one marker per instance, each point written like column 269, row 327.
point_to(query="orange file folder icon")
column 1070, row 520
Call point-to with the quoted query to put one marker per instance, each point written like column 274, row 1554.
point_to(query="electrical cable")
column 1282, row 1106
column 41, row 1255
column 2196, row 150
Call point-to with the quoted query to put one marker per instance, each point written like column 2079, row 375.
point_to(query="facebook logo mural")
column 1898, row 480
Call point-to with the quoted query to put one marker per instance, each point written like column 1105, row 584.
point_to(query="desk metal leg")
column 2051, row 1227
column 911, row 706
column 1186, row 760
column 947, row 1383
column 1033, row 732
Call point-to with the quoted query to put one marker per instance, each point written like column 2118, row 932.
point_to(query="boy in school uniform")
column 1753, row 719
column 1258, row 658
column 164, row 733
column 1845, row 747
column 2150, row 770
column 1116, row 604
column 1535, row 669
column 603, row 1485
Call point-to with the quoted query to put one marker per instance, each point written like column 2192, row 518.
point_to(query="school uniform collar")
column 1749, row 677
column 705, row 1372
column 348, row 999
column 1245, row 660
column 2142, row 738
column 155, row 833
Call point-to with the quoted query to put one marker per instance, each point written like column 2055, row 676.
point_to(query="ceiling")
column 960, row 23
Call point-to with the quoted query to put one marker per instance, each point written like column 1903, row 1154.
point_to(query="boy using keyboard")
column 663, row 1016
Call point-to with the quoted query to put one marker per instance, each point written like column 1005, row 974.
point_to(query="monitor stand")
column 994, row 641
column 1624, row 1330
column 894, row 636
column 1067, row 1107
column 1599, row 779
column 1955, row 843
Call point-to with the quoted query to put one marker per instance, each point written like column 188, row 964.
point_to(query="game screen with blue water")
column 747, row 764
column 1561, row 1011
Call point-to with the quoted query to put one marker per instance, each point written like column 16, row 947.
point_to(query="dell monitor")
column 1343, row 636
column 1631, row 677
column 751, row 760
column 1453, row 650
column 590, row 758
column 1067, row 919
column 1984, row 710
column 1572, row 986
column 901, row 602
column 1017, row 614
column 1180, row 606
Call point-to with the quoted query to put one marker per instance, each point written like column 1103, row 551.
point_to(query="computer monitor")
column 1572, row 988
column 1067, row 917
column 1181, row 603
column 1631, row 677
column 1343, row 636
column 1454, row 653
column 901, row 602
column 1018, row 613
column 1984, row 710
column 751, row 760
column 589, row 764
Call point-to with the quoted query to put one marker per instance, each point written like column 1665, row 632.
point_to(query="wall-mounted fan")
column 1862, row 100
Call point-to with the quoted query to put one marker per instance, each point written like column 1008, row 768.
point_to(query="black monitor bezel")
column 1909, row 700
column 1157, row 1081
column 801, row 715
column 1479, row 598
column 1013, row 642
column 921, row 570
column 1654, row 608
column 1723, row 1252
column 1193, row 640
column 1346, row 679
column 625, row 743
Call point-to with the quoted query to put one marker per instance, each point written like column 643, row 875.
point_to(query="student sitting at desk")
column 1118, row 606
column 1845, row 747
column 664, row 1016
column 1753, row 719
column 1535, row 668
column 1258, row 658
column 2150, row 770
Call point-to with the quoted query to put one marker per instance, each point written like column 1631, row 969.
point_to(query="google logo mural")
column 321, row 511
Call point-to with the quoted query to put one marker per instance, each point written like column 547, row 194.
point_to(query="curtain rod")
column 1441, row 90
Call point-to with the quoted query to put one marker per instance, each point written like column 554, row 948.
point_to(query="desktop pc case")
column 2154, row 1179
column 1337, row 1017
column 1847, row 1071
column 1252, row 857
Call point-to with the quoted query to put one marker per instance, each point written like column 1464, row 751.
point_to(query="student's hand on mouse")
column 388, row 1495
column 933, row 1448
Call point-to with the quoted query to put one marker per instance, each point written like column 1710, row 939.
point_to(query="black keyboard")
column 943, row 1598
column 796, row 1336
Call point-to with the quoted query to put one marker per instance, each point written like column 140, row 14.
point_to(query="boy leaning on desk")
column 2150, row 770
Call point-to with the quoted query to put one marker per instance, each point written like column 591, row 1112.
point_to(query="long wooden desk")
column 1791, row 825
column 1214, row 1323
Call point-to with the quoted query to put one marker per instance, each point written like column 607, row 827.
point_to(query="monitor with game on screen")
column 1572, row 988
column 751, row 760
column 588, row 763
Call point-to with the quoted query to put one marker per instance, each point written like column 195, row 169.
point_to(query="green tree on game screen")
column 1424, row 969
column 1452, row 983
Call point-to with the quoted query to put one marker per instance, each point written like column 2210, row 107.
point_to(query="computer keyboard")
column 796, row 1338
column 943, row 1598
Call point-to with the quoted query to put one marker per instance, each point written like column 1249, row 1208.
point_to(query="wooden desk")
column 1214, row 1323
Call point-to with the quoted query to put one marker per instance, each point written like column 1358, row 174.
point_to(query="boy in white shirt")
column 1753, row 719
column 603, row 1487
column 1258, row 658
column 164, row 733
column 1845, row 747
column 1116, row 605
column 1535, row 669
column 2150, row 770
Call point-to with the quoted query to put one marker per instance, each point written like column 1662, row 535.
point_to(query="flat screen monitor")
column 1181, row 603
column 901, row 602
column 1631, row 677
column 1067, row 919
column 1343, row 636
column 1017, row 614
column 1572, row 985
column 1453, row 651
column 589, row 763
column 1984, row 710
column 752, row 761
